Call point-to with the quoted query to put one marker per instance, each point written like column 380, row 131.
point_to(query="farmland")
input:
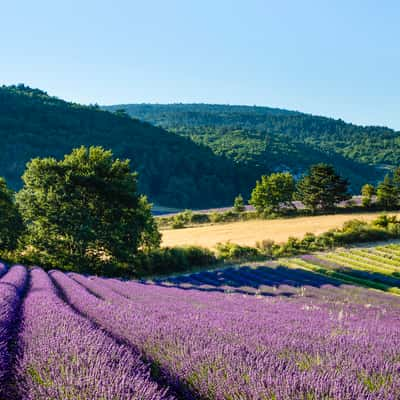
column 310, row 327
column 249, row 232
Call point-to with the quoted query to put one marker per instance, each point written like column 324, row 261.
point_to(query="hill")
column 173, row 170
column 276, row 139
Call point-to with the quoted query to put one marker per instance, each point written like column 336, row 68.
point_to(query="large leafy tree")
column 322, row 188
column 11, row 225
column 84, row 211
column 273, row 193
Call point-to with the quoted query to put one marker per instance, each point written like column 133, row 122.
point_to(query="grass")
column 247, row 233
column 360, row 266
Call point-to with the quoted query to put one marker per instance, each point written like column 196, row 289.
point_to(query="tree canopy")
column 84, row 211
column 322, row 188
column 11, row 225
column 273, row 192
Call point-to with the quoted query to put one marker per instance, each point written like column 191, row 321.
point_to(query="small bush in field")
column 182, row 219
column 233, row 251
column 266, row 247
column 175, row 259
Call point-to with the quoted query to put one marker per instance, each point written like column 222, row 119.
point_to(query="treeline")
column 321, row 190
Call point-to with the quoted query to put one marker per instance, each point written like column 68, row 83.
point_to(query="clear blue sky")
column 336, row 58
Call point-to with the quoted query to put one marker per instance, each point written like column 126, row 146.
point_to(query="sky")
column 335, row 58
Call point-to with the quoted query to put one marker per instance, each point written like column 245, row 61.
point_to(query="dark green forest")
column 173, row 170
column 274, row 139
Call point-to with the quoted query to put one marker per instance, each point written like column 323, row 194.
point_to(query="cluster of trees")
column 385, row 195
column 83, row 212
column 320, row 189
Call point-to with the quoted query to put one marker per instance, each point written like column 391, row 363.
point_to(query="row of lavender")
column 60, row 354
column 336, row 343
column 305, row 338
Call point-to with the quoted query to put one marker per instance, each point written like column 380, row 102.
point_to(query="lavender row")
column 11, row 289
column 229, row 347
column 64, row 356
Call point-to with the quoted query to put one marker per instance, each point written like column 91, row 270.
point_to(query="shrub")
column 173, row 259
column 200, row 218
column 235, row 252
column 266, row 247
column 182, row 219
column 227, row 216
column 238, row 204
column 384, row 220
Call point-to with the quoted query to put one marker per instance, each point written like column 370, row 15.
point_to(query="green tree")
column 273, row 193
column 11, row 225
column 322, row 188
column 387, row 193
column 396, row 178
column 84, row 211
column 238, row 204
column 367, row 192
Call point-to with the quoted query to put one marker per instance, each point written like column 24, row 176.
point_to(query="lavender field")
column 256, row 332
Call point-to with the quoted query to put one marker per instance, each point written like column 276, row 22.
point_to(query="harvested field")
column 249, row 232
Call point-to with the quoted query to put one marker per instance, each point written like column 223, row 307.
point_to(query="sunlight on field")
column 249, row 232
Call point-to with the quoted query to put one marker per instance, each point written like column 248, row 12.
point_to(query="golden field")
column 249, row 232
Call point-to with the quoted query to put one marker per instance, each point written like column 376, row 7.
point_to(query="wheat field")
column 249, row 232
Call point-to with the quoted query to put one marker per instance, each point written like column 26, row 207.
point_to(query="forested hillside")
column 173, row 170
column 200, row 155
column 277, row 139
